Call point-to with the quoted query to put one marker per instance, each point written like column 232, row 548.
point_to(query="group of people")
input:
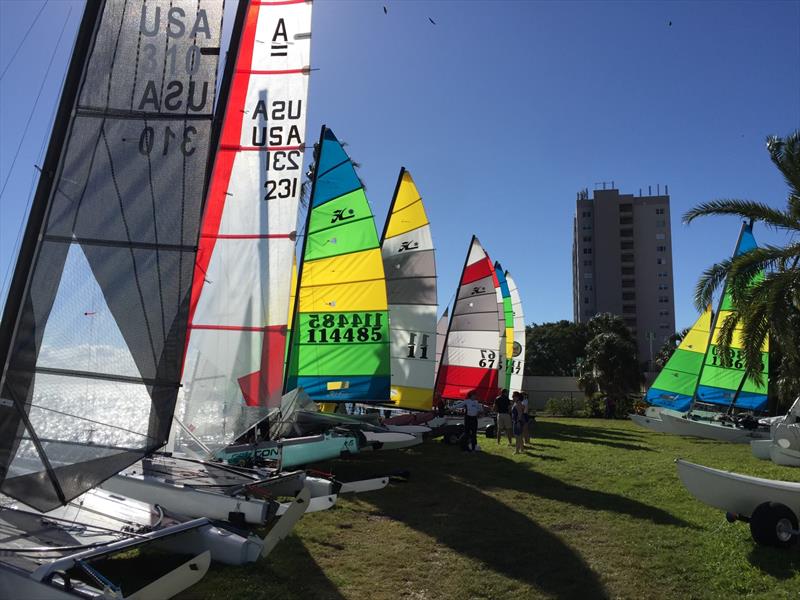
column 514, row 418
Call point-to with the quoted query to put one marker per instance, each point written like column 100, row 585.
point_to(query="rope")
column 25, row 37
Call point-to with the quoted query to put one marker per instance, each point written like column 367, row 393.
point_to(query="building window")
column 587, row 250
column 626, row 208
column 587, row 238
column 588, row 287
column 587, row 227
column 629, row 295
column 663, row 274
column 630, row 322
column 629, row 309
column 663, row 326
column 661, row 248
column 661, row 223
column 587, row 213
column 661, row 236
column 626, row 245
column 663, row 286
column 628, row 270
column 587, row 275
column 661, row 261
column 626, row 258
column 587, row 263
column 586, row 300
column 663, row 313
column 659, row 211
column 663, row 299
column 626, row 220
column 626, row 232
column 628, row 283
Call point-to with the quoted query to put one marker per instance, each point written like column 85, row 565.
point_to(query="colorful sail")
column 472, row 346
column 675, row 385
column 516, row 363
column 410, row 266
column 93, row 331
column 506, row 325
column 240, row 297
column 723, row 385
column 339, row 349
column 441, row 335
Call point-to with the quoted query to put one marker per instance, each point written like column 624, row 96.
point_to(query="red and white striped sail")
column 240, row 298
column 472, row 348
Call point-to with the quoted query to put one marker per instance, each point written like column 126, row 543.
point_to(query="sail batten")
column 410, row 267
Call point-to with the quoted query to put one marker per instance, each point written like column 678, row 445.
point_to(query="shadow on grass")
column 549, row 430
column 780, row 564
column 543, row 456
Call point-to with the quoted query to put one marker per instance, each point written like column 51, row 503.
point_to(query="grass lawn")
column 594, row 509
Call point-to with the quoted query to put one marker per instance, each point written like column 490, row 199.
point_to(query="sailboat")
column 783, row 444
column 410, row 267
column 505, row 326
column 725, row 387
column 516, row 360
column 93, row 330
column 471, row 350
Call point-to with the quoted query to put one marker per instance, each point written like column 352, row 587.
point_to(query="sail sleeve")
column 472, row 346
column 722, row 385
column 408, row 260
column 674, row 386
column 94, row 365
column 516, row 361
column 240, row 298
column 339, row 349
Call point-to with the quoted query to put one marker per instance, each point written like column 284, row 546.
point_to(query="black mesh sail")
column 97, row 338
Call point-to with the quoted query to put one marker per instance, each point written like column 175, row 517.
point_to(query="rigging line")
column 25, row 37
column 33, row 108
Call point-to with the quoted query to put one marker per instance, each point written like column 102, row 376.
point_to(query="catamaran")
column 713, row 386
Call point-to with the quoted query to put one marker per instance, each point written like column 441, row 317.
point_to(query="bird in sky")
column 431, row 20
column 385, row 11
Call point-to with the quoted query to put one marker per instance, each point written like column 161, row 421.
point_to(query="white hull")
column 760, row 449
column 651, row 423
column 735, row 493
column 364, row 485
column 392, row 440
column 710, row 430
column 784, row 456
column 417, row 430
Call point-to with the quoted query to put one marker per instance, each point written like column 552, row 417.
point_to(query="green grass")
column 594, row 509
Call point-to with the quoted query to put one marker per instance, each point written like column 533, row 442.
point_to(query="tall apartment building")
column 622, row 263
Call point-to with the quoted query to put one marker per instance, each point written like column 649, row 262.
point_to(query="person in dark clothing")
column 501, row 407
column 472, row 409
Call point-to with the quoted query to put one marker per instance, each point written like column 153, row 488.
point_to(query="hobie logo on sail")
column 342, row 214
column 478, row 289
column 411, row 245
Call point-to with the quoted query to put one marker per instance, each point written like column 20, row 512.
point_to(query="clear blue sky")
column 503, row 111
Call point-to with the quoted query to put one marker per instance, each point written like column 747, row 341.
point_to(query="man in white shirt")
column 472, row 408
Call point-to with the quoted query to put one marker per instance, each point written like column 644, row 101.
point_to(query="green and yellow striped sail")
column 723, row 384
column 339, row 349
column 676, row 383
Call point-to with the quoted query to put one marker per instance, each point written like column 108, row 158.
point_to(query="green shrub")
column 564, row 406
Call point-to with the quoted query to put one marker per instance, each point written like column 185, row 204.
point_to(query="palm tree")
column 764, row 282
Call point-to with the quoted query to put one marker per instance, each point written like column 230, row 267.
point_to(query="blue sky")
column 502, row 111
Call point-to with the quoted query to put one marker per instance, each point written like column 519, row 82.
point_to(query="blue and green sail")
column 727, row 385
column 339, row 348
column 508, row 330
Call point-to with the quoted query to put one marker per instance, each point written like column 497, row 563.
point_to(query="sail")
column 339, row 349
column 516, row 363
column 96, row 321
column 674, row 386
column 240, row 297
column 408, row 260
column 441, row 335
column 472, row 346
column 506, row 327
column 722, row 385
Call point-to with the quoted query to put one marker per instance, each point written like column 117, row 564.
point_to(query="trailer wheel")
column 452, row 435
column 491, row 431
column 773, row 524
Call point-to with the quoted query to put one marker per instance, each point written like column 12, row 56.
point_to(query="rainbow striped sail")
column 339, row 348
column 472, row 347
column 675, row 385
column 727, row 385
column 516, row 363
column 441, row 335
column 506, row 327
column 408, row 259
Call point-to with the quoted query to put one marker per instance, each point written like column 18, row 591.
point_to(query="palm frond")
column 785, row 153
column 747, row 209
column 710, row 281
column 725, row 337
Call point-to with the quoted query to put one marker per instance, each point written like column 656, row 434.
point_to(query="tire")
column 452, row 435
column 491, row 431
column 769, row 525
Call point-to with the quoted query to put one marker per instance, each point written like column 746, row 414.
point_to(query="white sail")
column 517, row 361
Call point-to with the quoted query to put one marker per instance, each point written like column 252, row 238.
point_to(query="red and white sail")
column 240, row 298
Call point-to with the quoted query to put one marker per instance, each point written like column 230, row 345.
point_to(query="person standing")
column 518, row 420
column 502, row 404
column 472, row 408
column 526, row 429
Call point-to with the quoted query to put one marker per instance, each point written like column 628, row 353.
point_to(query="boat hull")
column 784, row 456
column 680, row 425
column 651, row 423
column 760, row 449
column 735, row 493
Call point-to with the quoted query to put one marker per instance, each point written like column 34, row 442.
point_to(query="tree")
column 668, row 348
column 610, row 367
column 554, row 348
column 764, row 282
